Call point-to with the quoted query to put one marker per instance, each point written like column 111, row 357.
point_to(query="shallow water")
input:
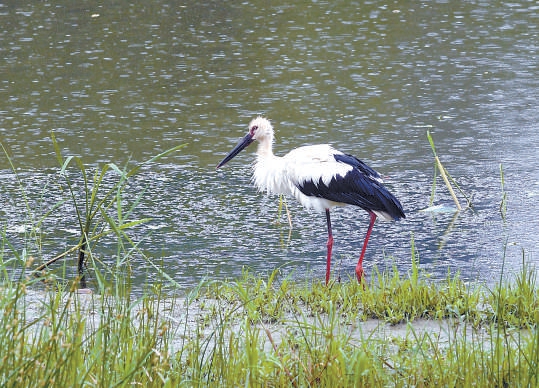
column 128, row 80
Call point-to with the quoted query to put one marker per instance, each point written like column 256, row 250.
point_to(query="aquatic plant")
column 503, row 203
column 96, row 194
column 438, row 166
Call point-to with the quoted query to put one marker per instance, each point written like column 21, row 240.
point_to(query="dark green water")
column 126, row 80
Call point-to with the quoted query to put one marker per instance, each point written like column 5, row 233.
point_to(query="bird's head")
column 259, row 129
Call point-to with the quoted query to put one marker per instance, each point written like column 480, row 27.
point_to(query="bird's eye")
column 253, row 129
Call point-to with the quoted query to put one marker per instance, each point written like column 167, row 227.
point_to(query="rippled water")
column 128, row 80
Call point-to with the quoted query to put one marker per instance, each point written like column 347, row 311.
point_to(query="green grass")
column 396, row 330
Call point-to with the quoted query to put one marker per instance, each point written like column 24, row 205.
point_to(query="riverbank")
column 395, row 330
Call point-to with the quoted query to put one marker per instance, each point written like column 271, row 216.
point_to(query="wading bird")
column 319, row 177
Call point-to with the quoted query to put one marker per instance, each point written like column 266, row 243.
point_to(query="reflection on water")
column 126, row 81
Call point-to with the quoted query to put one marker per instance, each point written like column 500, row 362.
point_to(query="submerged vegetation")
column 395, row 329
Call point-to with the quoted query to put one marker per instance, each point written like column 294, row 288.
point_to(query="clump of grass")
column 515, row 304
column 97, row 197
column 321, row 340
column 61, row 338
column 273, row 331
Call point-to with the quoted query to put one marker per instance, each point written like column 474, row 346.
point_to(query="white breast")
column 277, row 175
column 269, row 176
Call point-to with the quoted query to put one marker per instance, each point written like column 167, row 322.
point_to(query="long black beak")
column 243, row 143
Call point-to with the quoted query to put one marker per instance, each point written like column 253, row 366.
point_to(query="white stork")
column 319, row 177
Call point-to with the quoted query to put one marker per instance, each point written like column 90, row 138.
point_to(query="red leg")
column 330, row 247
column 359, row 266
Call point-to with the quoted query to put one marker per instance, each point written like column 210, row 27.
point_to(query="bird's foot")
column 359, row 273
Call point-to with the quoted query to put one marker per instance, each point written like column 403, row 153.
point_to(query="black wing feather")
column 361, row 186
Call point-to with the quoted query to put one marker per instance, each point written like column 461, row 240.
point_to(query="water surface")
column 125, row 81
